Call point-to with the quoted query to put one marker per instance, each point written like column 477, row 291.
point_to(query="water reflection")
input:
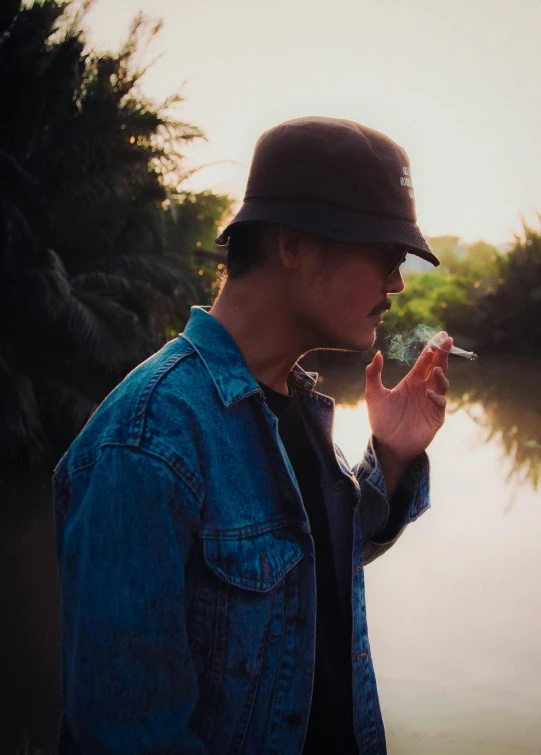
column 501, row 395
column 504, row 399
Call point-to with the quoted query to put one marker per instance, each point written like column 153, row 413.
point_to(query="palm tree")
column 86, row 283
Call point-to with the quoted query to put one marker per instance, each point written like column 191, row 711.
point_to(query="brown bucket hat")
column 334, row 178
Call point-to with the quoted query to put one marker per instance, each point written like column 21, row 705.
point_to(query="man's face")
column 344, row 291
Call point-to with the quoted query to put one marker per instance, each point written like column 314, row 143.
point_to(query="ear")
column 289, row 247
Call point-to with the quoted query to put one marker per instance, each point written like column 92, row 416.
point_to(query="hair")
column 248, row 247
column 251, row 243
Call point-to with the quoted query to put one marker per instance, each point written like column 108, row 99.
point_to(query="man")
column 211, row 537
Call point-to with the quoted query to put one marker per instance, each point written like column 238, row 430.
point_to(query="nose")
column 395, row 284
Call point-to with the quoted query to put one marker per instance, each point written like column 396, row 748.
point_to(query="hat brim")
column 334, row 223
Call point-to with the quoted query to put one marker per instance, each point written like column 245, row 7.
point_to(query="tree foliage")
column 485, row 298
column 89, row 276
column 192, row 222
column 512, row 308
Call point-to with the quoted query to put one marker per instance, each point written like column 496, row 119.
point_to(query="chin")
column 362, row 342
column 365, row 341
column 346, row 337
column 368, row 343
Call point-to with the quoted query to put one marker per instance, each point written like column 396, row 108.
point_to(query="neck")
column 262, row 325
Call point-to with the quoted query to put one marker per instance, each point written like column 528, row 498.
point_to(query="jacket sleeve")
column 383, row 521
column 125, row 527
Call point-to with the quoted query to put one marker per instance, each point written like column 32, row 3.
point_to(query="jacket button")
column 294, row 719
column 300, row 620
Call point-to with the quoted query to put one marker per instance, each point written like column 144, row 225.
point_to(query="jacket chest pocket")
column 253, row 562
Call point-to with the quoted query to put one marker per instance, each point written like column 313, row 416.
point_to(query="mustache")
column 381, row 307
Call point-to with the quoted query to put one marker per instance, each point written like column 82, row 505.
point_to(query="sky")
column 455, row 82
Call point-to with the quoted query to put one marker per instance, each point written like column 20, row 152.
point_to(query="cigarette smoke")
column 406, row 347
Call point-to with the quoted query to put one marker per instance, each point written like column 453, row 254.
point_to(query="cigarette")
column 455, row 350
column 461, row 353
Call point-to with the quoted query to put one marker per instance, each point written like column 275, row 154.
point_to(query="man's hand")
column 404, row 420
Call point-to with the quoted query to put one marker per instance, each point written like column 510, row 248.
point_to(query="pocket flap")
column 257, row 562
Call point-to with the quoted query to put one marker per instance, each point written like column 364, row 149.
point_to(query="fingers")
column 438, row 381
column 439, row 387
column 436, row 398
column 424, row 364
column 435, row 353
column 373, row 374
column 441, row 358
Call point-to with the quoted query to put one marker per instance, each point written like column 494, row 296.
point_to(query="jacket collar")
column 224, row 360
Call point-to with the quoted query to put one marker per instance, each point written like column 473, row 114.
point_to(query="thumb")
column 373, row 374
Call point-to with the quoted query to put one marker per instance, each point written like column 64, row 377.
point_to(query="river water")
column 454, row 608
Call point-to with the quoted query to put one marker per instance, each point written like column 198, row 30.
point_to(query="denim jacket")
column 187, row 566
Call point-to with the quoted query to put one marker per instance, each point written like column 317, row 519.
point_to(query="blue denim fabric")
column 187, row 566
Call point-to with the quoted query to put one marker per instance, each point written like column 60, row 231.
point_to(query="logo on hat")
column 405, row 180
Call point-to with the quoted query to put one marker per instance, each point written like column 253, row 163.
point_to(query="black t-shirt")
column 330, row 725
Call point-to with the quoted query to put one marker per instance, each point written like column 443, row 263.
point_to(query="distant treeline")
column 487, row 298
